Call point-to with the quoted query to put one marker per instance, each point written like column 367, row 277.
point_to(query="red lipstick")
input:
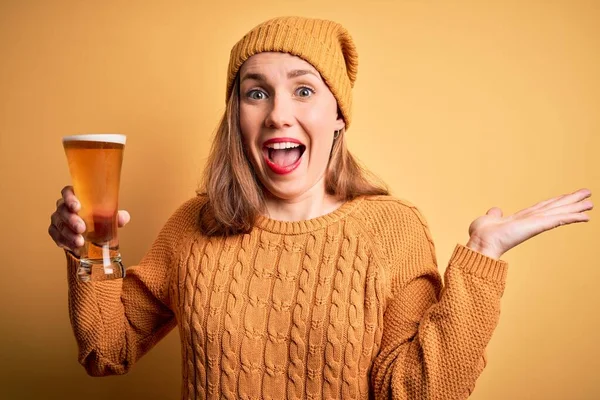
column 278, row 169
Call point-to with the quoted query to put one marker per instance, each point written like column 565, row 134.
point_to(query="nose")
column 280, row 114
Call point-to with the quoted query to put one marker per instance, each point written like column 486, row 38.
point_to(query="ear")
column 339, row 122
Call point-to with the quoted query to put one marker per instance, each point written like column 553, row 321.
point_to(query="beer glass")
column 95, row 166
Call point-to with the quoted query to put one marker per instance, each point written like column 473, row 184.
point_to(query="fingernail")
column 75, row 205
column 79, row 241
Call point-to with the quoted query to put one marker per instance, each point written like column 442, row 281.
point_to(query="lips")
column 283, row 155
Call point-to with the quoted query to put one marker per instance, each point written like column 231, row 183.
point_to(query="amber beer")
column 95, row 166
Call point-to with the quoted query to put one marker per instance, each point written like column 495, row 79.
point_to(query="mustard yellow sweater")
column 347, row 305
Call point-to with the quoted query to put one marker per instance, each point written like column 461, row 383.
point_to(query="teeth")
column 282, row 145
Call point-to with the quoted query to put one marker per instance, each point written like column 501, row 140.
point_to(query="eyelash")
column 249, row 94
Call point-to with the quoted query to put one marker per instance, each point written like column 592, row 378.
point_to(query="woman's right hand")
column 66, row 226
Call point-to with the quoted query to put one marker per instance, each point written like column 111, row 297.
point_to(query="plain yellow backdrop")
column 459, row 107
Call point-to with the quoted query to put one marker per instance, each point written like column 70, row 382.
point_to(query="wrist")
column 478, row 246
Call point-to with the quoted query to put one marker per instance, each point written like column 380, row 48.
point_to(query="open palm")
column 493, row 234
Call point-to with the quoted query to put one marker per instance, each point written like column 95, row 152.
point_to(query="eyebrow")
column 292, row 74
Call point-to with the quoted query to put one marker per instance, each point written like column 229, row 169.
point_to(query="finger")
column 75, row 251
column 123, row 218
column 571, row 198
column 71, row 219
column 53, row 232
column 72, row 239
column 64, row 191
column 70, row 199
column 56, row 221
column 64, row 238
column 555, row 202
column 554, row 221
column 56, row 236
column 65, row 235
column 494, row 211
column 584, row 205
column 539, row 206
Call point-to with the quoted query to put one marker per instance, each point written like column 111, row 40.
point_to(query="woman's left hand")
column 493, row 235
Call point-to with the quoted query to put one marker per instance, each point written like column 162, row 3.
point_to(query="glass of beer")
column 95, row 166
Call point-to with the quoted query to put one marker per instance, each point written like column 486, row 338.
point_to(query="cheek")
column 249, row 124
column 317, row 116
column 321, row 148
column 320, row 122
column 322, row 115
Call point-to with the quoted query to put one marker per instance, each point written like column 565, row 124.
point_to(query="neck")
column 309, row 205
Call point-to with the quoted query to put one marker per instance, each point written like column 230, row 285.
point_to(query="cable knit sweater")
column 346, row 305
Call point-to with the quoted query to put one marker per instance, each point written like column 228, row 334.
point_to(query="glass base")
column 100, row 270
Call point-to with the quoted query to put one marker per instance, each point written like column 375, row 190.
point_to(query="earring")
column 336, row 134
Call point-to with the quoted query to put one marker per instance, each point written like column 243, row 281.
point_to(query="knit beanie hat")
column 326, row 45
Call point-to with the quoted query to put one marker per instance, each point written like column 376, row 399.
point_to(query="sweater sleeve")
column 434, row 336
column 116, row 322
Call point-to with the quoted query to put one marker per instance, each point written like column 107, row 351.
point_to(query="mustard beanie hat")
column 326, row 45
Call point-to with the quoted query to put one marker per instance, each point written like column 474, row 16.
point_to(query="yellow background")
column 459, row 106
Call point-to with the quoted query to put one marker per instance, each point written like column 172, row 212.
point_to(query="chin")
column 292, row 186
column 287, row 190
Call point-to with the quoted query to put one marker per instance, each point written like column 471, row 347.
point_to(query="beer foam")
column 97, row 137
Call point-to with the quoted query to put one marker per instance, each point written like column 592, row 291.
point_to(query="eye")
column 304, row 91
column 256, row 94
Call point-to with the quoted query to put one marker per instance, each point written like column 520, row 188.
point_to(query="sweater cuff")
column 478, row 264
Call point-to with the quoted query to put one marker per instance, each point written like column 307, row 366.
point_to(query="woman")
column 291, row 275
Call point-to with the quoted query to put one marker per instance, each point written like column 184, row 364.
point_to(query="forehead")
column 275, row 61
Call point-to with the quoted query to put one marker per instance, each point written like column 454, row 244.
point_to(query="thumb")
column 495, row 212
column 123, row 218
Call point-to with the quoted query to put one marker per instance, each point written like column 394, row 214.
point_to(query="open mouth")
column 283, row 154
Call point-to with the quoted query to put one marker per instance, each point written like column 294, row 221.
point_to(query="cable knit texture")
column 347, row 305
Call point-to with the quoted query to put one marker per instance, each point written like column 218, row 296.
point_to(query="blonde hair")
column 234, row 192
